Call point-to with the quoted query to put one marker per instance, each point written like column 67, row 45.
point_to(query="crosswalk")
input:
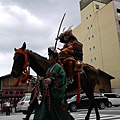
column 93, row 117
column 76, row 115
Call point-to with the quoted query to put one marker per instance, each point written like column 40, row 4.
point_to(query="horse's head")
column 66, row 36
column 20, row 61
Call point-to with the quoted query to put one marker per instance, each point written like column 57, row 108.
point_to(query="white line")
column 93, row 117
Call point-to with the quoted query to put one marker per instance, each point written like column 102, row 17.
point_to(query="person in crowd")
column 33, row 100
column 53, row 105
column 7, row 105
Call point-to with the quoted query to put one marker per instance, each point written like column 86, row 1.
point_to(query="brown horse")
column 40, row 64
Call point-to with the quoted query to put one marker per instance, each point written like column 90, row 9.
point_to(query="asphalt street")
column 106, row 114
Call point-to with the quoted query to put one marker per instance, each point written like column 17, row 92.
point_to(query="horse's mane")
column 38, row 63
column 38, row 55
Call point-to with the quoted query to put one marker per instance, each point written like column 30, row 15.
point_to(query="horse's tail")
column 97, row 77
column 97, row 81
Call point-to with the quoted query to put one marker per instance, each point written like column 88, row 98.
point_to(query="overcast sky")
column 34, row 21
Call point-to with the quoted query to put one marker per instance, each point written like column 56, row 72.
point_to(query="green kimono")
column 54, row 106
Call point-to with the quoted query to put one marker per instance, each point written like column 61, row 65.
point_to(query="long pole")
column 59, row 30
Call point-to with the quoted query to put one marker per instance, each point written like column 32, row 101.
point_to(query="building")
column 99, row 32
column 7, row 91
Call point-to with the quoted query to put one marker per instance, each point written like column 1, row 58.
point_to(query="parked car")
column 114, row 98
column 23, row 104
column 101, row 102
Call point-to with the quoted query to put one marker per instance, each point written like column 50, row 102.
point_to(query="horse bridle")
column 26, row 64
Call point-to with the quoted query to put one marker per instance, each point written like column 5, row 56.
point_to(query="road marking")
column 93, row 117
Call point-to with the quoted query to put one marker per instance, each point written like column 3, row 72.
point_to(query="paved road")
column 103, row 116
column 106, row 114
column 93, row 117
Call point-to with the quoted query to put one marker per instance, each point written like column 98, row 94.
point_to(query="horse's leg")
column 88, row 85
column 88, row 113
column 92, row 104
column 91, row 99
column 97, row 112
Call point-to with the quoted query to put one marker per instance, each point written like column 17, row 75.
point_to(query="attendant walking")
column 33, row 101
column 53, row 86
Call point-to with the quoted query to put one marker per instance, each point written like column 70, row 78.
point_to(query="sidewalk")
column 14, row 116
column 4, row 113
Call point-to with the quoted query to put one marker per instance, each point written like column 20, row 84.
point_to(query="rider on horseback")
column 71, row 53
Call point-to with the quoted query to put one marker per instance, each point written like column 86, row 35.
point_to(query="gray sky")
column 34, row 21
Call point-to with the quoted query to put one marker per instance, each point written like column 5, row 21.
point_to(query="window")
column 86, row 17
column 6, row 92
column 21, row 92
column 84, row 97
column 118, row 12
column 87, row 27
column 90, row 48
column 11, row 92
column 119, row 37
column 92, row 36
column 27, row 98
column 17, row 92
column 95, row 58
column 96, row 95
column 117, row 96
column 89, row 38
column 97, row 7
column 91, row 60
column 119, row 22
column 93, row 47
column 110, row 95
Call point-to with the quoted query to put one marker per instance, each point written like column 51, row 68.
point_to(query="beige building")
column 99, row 32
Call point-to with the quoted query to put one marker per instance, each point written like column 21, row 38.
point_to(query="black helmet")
column 51, row 50
column 68, row 35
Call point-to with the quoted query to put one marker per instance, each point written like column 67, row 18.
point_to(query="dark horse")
column 40, row 64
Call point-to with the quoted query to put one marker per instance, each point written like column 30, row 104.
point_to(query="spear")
column 59, row 30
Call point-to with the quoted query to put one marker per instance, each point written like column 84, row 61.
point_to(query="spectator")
column 7, row 105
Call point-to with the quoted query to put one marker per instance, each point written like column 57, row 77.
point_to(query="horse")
column 40, row 64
